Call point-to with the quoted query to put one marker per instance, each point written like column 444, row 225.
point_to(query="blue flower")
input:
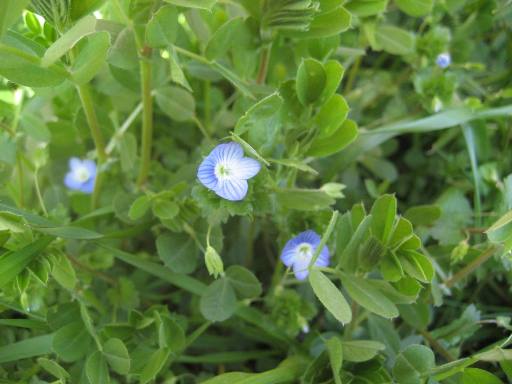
column 225, row 171
column 81, row 175
column 443, row 60
column 297, row 253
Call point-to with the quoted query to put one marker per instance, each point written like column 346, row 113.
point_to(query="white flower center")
column 223, row 171
column 82, row 174
column 304, row 251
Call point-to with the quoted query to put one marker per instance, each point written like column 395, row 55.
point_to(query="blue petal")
column 206, row 173
column 288, row 254
column 226, row 152
column 88, row 186
column 310, row 237
column 74, row 163
column 323, row 258
column 71, row 182
column 245, row 168
column 300, row 269
column 91, row 167
column 233, row 190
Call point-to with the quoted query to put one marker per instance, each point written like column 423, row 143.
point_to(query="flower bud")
column 213, row 262
column 459, row 252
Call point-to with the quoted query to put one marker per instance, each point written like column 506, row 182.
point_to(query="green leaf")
column 327, row 146
column 69, row 232
column 201, row 4
column 329, row 23
column 368, row 296
column 53, row 368
column 417, row 265
column 177, row 251
column 171, row 335
column 7, row 145
column 10, row 11
column 165, row 209
column 383, row 213
column 80, row 8
column 177, row 74
column 334, row 73
column 479, row 376
column 64, row 273
column 96, row 369
column 154, row 365
column 506, row 366
column 423, row 214
column 310, row 81
column 456, row 213
column 384, row 331
column 162, row 29
column 67, row 41
column 348, row 255
column 402, row 232
column 501, row 230
column 71, row 341
column 91, row 58
column 367, row 8
column 412, row 364
column 331, row 116
column 176, row 102
column 218, row 302
column 358, row 351
column 395, row 40
column 245, row 284
column 233, row 78
column 297, row 164
column 304, row 199
column 335, row 351
column 20, row 63
column 123, row 53
column 330, row 296
column 117, row 356
column 14, row 262
column 415, row 8
column 25, row 349
column 223, row 38
column 259, row 114
column 139, row 207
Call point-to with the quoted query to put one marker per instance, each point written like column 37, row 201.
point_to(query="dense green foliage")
column 382, row 125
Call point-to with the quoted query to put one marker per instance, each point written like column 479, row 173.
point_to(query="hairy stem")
column 470, row 268
column 147, row 121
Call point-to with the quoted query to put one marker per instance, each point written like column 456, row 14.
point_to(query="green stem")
column 147, row 120
column 20, row 181
column 124, row 127
column 325, row 238
column 207, row 105
column 84, row 92
column 18, row 100
column 263, row 67
column 38, row 192
column 352, row 75
column 468, row 269
column 436, row 345
column 202, row 128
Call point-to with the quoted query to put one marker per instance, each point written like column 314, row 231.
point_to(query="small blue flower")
column 81, row 175
column 443, row 60
column 297, row 253
column 225, row 171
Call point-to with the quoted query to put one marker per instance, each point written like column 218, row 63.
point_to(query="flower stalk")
column 92, row 120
